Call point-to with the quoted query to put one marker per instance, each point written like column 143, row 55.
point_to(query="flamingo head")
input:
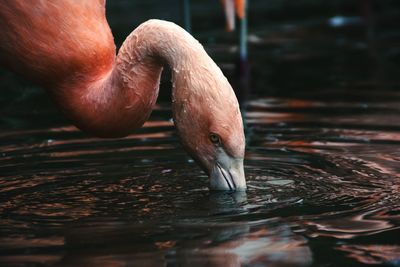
column 209, row 123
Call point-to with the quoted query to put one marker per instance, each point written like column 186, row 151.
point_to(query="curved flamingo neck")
column 163, row 41
column 122, row 98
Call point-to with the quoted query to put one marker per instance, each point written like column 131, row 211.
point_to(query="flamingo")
column 67, row 48
column 230, row 7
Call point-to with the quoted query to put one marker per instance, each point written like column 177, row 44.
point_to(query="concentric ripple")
column 319, row 183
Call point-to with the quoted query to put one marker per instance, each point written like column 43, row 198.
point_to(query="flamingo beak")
column 227, row 173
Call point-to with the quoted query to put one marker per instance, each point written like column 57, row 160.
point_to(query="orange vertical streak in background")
column 230, row 7
column 240, row 6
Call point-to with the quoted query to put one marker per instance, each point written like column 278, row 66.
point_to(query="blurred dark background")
column 296, row 48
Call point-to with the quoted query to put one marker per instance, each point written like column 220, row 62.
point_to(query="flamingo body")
column 67, row 47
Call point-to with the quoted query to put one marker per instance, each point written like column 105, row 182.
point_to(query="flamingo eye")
column 215, row 139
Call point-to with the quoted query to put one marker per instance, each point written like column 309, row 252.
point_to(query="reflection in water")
column 219, row 239
column 348, row 227
column 313, row 189
column 373, row 254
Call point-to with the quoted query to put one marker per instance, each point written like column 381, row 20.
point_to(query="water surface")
column 323, row 187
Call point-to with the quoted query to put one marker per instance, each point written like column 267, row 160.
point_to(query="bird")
column 67, row 48
column 230, row 8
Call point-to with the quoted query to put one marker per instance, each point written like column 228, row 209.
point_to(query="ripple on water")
column 319, row 183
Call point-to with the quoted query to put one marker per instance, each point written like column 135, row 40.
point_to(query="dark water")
column 322, row 164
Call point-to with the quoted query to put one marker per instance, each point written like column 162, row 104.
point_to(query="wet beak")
column 228, row 174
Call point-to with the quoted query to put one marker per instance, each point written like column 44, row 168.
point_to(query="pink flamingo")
column 230, row 7
column 67, row 48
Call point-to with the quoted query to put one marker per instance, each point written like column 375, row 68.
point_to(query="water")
column 323, row 187
column 322, row 164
